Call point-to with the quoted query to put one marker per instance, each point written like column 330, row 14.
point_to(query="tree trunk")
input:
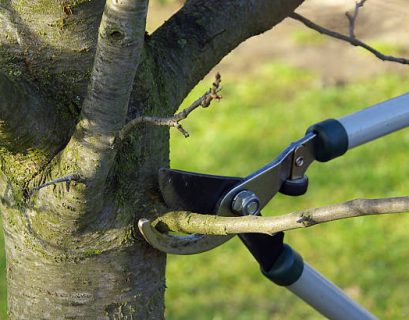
column 95, row 280
column 71, row 193
column 60, row 265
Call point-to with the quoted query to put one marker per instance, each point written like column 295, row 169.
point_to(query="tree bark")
column 66, row 256
column 66, row 89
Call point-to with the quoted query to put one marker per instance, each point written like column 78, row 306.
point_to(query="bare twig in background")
column 187, row 222
column 173, row 121
column 352, row 18
column 353, row 41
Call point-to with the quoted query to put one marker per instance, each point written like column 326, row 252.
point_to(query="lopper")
column 233, row 196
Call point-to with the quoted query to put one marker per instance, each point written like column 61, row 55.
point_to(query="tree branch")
column 90, row 152
column 187, row 222
column 173, row 121
column 350, row 39
column 121, row 36
column 199, row 35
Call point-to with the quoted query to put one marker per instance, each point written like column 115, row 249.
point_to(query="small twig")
column 352, row 41
column 187, row 222
column 67, row 179
column 352, row 17
column 173, row 121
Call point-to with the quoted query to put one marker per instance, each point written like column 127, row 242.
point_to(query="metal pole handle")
column 335, row 137
column 290, row 271
column 327, row 298
column 376, row 121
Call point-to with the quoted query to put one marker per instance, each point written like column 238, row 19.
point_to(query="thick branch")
column 26, row 122
column 90, row 152
column 197, row 37
column 120, row 41
column 350, row 39
column 216, row 225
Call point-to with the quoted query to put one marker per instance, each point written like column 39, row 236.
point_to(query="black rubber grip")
column 332, row 139
column 294, row 187
column 287, row 269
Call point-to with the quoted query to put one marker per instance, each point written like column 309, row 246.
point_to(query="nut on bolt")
column 246, row 203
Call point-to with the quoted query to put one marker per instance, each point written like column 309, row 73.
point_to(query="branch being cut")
column 187, row 222
column 173, row 121
column 350, row 39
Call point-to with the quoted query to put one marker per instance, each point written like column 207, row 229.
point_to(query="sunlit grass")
column 256, row 119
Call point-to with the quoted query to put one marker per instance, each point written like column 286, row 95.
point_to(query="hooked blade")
column 202, row 193
column 194, row 192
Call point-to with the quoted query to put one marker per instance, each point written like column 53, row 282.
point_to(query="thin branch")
column 353, row 17
column 187, row 222
column 173, row 121
column 67, row 179
column 351, row 40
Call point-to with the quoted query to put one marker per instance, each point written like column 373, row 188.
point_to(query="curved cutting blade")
column 194, row 192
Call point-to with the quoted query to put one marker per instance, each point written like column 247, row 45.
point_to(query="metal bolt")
column 246, row 203
column 299, row 162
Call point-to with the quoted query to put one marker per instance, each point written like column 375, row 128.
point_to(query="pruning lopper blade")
column 228, row 196
column 194, row 192
column 231, row 196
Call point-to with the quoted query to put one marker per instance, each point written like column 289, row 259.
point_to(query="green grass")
column 255, row 120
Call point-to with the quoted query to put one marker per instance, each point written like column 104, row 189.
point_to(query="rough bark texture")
column 66, row 89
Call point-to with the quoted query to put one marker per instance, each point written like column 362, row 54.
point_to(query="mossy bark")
column 73, row 249
column 62, row 262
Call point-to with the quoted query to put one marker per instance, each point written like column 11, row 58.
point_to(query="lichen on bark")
column 83, row 267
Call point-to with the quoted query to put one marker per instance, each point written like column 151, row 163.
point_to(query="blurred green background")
column 258, row 116
column 264, row 108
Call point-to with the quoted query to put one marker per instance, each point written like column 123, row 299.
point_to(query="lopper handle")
column 335, row 137
column 327, row 298
column 290, row 271
column 376, row 121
